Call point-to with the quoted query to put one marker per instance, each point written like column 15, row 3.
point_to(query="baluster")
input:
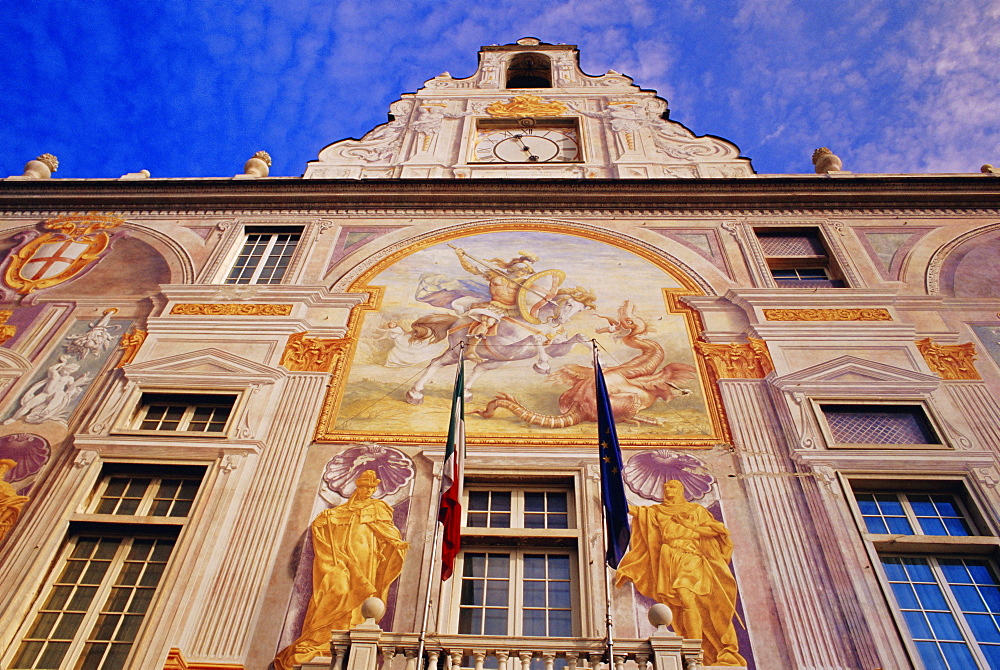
column 502, row 657
column 432, row 659
column 411, row 659
column 456, row 659
column 525, row 657
column 550, row 659
column 388, row 653
column 480, row 656
column 340, row 652
column 619, row 661
column 595, row 661
column 571, row 660
column 641, row 660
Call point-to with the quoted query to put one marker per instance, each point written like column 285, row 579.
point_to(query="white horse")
column 513, row 339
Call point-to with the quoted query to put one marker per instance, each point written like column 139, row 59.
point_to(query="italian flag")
column 450, row 513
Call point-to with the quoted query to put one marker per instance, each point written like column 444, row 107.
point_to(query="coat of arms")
column 72, row 244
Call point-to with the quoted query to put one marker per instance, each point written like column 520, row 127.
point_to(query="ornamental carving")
column 131, row 342
column 737, row 360
column 311, row 354
column 70, row 246
column 230, row 309
column 827, row 315
column 7, row 331
column 950, row 361
column 526, row 105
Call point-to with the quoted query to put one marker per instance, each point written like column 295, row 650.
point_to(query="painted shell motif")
column 393, row 467
column 29, row 451
column 646, row 472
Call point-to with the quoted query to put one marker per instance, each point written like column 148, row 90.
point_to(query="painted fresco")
column 60, row 381
column 989, row 336
column 528, row 302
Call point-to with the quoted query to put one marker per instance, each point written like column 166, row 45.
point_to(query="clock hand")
column 531, row 157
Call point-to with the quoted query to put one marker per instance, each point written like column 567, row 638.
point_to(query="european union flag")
column 617, row 531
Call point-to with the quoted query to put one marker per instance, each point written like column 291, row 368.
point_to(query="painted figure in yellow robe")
column 10, row 502
column 679, row 556
column 358, row 553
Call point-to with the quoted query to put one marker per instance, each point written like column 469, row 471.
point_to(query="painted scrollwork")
column 230, row 309
column 845, row 314
column 10, row 502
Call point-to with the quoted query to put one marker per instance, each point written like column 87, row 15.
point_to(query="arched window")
column 529, row 70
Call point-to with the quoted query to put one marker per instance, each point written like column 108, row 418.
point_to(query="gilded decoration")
column 10, row 502
column 737, row 360
column 526, row 105
column 357, row 554
column 950, row 361
column 876, row 314
column 679, row 555
column 130, row 343
column 230, row 309
column 71, row 244
column 311, row 354
column 527, row 308
column 7, row 331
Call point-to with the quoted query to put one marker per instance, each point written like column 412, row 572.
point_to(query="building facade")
column 225, row 401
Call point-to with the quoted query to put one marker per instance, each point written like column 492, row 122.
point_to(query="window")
column 878, row 424
column 95, row 601
column 529, row 71
column 265, row 257
column 946, row 591
column 518, row 565
column 797, row 258
column 182, row 413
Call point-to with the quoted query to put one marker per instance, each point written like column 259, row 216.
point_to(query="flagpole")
column 437, row 536
column 609, row 618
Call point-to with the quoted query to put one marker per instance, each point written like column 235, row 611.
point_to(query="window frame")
column 133, row 417
column 818, row 402
column 984, row 545
column 519, row 542
column 828, row 262
column 127, row 529
column 238, row 242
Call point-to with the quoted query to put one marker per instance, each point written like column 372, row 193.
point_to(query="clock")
column 538, row 143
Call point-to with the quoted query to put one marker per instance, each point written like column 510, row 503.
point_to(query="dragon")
column 632, row 386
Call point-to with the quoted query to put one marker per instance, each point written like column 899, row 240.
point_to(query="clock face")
column 527, row 145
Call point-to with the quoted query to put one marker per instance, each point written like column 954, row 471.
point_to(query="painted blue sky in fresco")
column 193, row 88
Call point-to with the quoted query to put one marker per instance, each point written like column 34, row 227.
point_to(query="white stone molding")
column 832, row 231
column 850, row 376
column 808, row 608
column 205, row 369
column 12, row 367
column 933, row 281
column 246, row 558
column 980, row 409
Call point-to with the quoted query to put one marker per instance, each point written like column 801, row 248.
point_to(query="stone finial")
column 41, row 168
column 660, row 615
column 258, row 165
column 141, row 174
column 373, row 609
column 826, row 161
column 989, row 169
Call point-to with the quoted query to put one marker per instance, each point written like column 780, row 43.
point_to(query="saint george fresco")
column 358, row 553
column 679, row 556
column 528, row 308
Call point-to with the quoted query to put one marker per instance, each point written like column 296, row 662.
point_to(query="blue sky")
column 192, row 88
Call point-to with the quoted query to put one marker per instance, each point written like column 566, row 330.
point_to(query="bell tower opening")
column 529, row 70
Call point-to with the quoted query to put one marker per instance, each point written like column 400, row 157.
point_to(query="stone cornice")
column 786, row 194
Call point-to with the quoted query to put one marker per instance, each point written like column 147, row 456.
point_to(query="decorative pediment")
column 202, row 368
column 852, row 376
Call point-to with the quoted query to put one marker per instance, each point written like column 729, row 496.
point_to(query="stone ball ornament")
column 373, row 608
column 660, row 615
